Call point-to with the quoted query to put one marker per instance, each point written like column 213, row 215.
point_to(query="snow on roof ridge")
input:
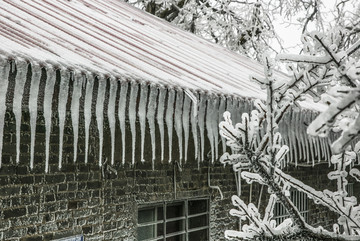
column 112, row 38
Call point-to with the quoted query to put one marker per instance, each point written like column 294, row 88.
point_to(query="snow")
column 127, row 43
column 179, row 91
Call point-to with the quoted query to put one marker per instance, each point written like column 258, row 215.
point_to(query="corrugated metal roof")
column 113, row 38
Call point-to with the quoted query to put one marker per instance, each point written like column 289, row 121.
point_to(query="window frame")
column 185, row 217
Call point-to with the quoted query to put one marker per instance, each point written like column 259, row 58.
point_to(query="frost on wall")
column 176, row 113
column 259, row 149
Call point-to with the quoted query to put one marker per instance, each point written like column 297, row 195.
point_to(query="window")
column 174, row 221
column 300, row 201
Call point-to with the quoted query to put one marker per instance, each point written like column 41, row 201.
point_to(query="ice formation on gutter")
column 78, row 81
column 63, row 97
column 139, row 105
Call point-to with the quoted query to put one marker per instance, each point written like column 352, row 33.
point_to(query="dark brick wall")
column 86, row 199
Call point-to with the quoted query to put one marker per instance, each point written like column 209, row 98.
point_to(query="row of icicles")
column 183, row 111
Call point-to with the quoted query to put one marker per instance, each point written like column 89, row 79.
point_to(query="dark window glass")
column 201, row 235
column 175, row 210
column 146, row 232
column 199, row 221
column 180, row 237
column 175, row 226
column 197, row 206
column 146, row 215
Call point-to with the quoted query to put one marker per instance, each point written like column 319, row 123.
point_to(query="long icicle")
column 215, row 125
column 169, row 119
column 186, row 123
column 194, row 128
column 209, row 129
column 220, row 118
column 151, row 120
column 33, row 107
column 132, row 116
column 4, row 76
column 178, row 121
column 142, row 116
column 111, row 115
column 201, row 122
column 305, row 139
column 87, row 112
column 121, row 115
column 99, row 112
column 75, row 109
column 63, row 97
column 48, row 97
column 20, row 79
column 160, row 118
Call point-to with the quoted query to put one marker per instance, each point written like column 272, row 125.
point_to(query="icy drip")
column 305, row 139
column 215, row 125
column 142, row 116
column 18, row 96
column 297, row 133
column 209, row 128
column 160, row 118
column 99, row 112
column 300, row 137
column 178, row 121
column 63, row 97
column 186, row 122
column 48, row 97
column 151, row 119
column 201, row 123
column 75, row 105
column 194, row 128
column 121, row 115
column 132, row 116
column 169, row 119
column 111, row 115
column 236, row 111
column 220, row 118
column 4, row 75
column 293, row 139
column 33, row 99
column 87, row 112
column 311, row 143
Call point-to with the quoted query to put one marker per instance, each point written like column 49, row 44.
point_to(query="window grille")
column 300, row 201
column 174, row 221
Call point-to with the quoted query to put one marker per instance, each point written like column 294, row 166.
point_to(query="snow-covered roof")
column 113, row 38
